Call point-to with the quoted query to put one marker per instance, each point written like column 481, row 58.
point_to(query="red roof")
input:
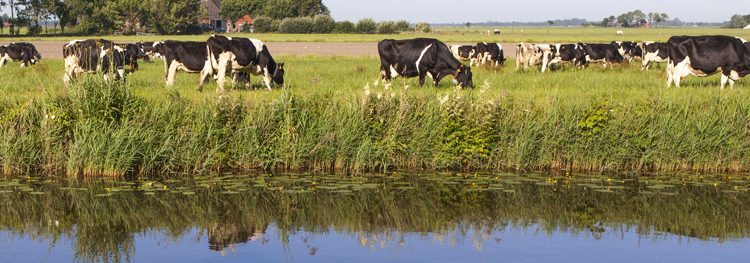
column 245, row 19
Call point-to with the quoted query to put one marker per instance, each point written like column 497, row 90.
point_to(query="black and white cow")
column 569, row 53
column 465, row 52
column 532, row 55
column 24, row 52
column 421, row 57
column 603, row 53
column 99, row 55
column 233, row 55
column 191, row 57
column 627, row 49
column 707, row 55
column 653, row 52
column 490, row 52
column 148, row 49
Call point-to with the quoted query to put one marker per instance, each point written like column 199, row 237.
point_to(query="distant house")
column 214, row 21
column 747, row 27
column 644, row 24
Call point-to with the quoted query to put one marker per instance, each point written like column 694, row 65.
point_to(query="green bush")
column 263, row 24
column 297, row 25
column 367, row 26
column 387, row 27
column 403, row 25
column 423, row 27
column 323, row 24
column 344, row 27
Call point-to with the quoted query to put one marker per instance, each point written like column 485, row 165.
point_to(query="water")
column 445, row 218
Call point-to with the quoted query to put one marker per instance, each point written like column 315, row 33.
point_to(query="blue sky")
column 442, row 11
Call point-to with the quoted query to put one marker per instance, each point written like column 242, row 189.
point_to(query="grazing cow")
column 653, row 52
column 604, row 53
column 24, row 52
column 92, row 55
column 235, row 55
column 464, row 52
column 706, row 55
column 421, row 57
column 490, row 52
column 626, row 49
column 571, row 53
column 191, row 57
column 533, row 55
column 148, row 49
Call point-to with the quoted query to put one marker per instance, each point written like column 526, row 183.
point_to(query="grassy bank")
column 342, row 120
column 453, row 35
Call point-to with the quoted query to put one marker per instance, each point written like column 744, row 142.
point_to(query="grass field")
column 335, row 116
column 457, row 35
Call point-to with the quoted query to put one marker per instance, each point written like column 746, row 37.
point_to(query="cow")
column 191, row 57
column 242, row 55
column 627, row 49
column 421, row 57
column 464, row 52
column 148, row 49
column 707, row 55
column 570, row 53
column 24, row 52
column 604, row 53
column 533, row 55
column 490, row 52
column 94, row 55
column 653, row 52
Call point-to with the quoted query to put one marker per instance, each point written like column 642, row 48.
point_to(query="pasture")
column 334, row 115
column 454, row 35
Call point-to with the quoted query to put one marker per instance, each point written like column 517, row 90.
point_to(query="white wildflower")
column 53, row 117
column 444, row 99
column 46, row 116
column 380, row 95
column 367, row 90
column 376, row 83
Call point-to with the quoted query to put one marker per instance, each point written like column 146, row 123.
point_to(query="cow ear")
column 281, row 65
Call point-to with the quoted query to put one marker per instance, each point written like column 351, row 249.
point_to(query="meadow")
column 453, row 35
column 335, row 116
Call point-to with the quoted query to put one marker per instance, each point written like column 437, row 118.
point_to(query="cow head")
column 464, row 77
column 132, row 53
column 278, row 74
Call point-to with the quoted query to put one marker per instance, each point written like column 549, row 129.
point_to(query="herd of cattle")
column 422, row 57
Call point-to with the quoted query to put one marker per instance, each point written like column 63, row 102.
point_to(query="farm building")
column 214, row 20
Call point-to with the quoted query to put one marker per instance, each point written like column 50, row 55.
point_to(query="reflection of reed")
column 104, row 227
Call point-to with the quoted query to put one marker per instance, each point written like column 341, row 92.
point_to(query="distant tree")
column 280, row 9
column 236, row 9
column 62, row 11
column 263, row 24
column 344, row 27
column 631, row 18
column 550, row 22
column 468, row 24
column 739, row 21
column 323, row 24
column 366, row 26
column 423, row 27
column 403, row 25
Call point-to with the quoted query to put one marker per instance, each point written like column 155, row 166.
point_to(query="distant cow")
column 243, row 55
column 653, row 52
column 602, row 53
column 490, row 52
column 464, row 52
column 707, row 55
column 24, row 52
column 533, row 55
column 99, row 55
column 421, row 57
column 191, row 57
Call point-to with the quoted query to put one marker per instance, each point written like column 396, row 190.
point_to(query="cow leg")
column 206, row 73
column 267, row 78
column 221, row 74
column 724, row 80
column 422, row 76
column 171, row 72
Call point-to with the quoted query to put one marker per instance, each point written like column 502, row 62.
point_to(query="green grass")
column 456, row 35
column 589, row 120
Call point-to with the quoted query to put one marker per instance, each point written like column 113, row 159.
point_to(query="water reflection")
column 103, row 219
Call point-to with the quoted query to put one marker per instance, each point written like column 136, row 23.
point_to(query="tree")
column 550, row 22
column 423, row 27
column 280, row 9
column 739, row 21
column 366, row 26
column 631, row 18
column 345, row 27
column 62, row 12
column 175, row 16
column 468, row 25
column 236, row 9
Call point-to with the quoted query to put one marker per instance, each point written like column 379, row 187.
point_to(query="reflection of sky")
column 510, row 245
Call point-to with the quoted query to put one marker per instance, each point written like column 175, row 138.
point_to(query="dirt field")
column 53, row 49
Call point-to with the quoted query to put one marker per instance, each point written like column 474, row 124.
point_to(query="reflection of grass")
column 580, row 120
column 103, row 227
column 459, row 35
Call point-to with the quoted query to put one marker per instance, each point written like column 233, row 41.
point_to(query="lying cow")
column 24, row 52
column 228, row 54
column 421, row 57
column 465, row 52
column 607, row 54
column 533, row 55
column 490, row 52
column 707, row 55
column 653, row 52
column 99, row 55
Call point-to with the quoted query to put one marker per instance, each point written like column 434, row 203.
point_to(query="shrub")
column 423, row 27
column 403, row 25
column 263, row 24
column 344, row 27
column 297, row 25
column 367, row 26
column 387, row 27
column 323, row 24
